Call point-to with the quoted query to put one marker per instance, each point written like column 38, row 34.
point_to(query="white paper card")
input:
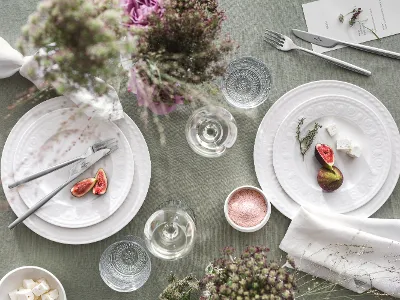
column 322, row 17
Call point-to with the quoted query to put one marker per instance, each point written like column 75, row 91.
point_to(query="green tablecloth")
column 179, row 173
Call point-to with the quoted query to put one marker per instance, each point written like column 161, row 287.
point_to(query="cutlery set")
column 284, row 43
column 82, row 163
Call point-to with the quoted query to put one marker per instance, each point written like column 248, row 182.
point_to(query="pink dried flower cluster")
column 178, row 47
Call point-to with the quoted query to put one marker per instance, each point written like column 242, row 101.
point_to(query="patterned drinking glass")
column 125, row 265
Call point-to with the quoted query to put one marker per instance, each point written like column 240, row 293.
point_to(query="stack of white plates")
column 290, row 182
column 56, row 131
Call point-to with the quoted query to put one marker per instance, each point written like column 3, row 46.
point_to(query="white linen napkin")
column 356, row 253
column 106, row 106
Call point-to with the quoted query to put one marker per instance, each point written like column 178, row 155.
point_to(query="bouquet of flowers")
column 177, row 48
column 78, row 40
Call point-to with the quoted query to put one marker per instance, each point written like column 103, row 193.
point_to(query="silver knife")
column 77, row 169
column 329, row 43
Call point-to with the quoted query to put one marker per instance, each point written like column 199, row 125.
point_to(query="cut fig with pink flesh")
column 325, row 155
column 82, row 187
column 101, row 185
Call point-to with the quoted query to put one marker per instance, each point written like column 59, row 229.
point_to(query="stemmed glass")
column 211, row 130
column 170, row 231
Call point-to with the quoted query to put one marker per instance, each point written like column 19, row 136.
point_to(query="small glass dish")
column 125, row 266
column 262, row 222
column 246, row 83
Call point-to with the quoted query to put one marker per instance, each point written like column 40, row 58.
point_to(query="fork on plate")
column 109, row 143
column 284, row 43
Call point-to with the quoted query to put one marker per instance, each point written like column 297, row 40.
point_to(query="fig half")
column 324, row 155
column 101, row 185
column 330, row 180
column 82, row 187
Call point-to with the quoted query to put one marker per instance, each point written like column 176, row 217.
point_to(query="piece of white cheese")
column 13, row 295
column 343, row 144
column 46, row 297
column 25, row 294
column 355, row 151
column 41, row 288
column 50, row 295
column 332, row 129
column 28, row 284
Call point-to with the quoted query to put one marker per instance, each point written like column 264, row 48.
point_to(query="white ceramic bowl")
column 13, row 280
column 247, row 229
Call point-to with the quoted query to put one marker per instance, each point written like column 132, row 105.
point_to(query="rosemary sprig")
column 306, row 142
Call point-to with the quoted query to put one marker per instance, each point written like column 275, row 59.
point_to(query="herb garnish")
column 306, row 142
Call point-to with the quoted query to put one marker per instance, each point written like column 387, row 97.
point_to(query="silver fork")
column 89, row 151
column 284, row 43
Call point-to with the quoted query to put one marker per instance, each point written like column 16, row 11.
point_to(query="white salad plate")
column 99, row 231
column 62, row 135
column 363, row 176
column 263, row 148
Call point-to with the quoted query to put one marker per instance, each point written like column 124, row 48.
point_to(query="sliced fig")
column 82, row 187
column 325, row 155
column 101, row 185
column 330, row 180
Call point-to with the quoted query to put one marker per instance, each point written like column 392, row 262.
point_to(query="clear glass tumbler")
column 246, row 83
column 170, row 231
column 125, row 265
column 211, row 130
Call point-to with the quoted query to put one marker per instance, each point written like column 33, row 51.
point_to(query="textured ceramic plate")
column 60, row 136
column 363, row 177
column 102, row 230
column 263, row 148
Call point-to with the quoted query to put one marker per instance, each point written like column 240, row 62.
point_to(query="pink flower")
column 140, row 10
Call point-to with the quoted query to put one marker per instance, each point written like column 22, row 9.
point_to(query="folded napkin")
column 356, row 253
column 106, row 106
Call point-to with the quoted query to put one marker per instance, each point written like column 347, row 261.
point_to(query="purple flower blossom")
column 140, row 10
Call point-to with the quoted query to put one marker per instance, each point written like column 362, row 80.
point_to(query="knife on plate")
column 77, row 169
column 330, row 43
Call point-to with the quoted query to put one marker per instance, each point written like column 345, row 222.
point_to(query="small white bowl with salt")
column 247, row 209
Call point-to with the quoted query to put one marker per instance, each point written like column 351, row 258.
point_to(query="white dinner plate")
column 263, row 147
column 62, row 135
column 97, row 232
column 363, row 177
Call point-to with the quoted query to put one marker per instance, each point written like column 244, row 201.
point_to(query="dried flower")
column 177, row 50
column 356, row 14
column 250, row 276
column 78, row 39
column 179, row 289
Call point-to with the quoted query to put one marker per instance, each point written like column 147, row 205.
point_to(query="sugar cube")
column 343, row 144
column 41, row 288
column 355, row 151
column 13, row 295
column 28, row 284
column 332, row 129
column 25, row 294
